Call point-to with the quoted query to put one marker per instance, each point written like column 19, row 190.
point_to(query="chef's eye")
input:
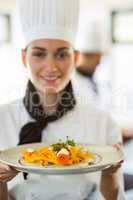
column 39, row 54
column 63, row 55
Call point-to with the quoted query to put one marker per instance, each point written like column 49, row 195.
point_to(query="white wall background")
column 110, row 3
column 11, row 72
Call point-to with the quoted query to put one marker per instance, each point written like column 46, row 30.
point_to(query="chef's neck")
column 50, row 101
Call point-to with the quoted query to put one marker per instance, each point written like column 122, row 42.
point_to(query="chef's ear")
column 77, row 54
column 23, row 56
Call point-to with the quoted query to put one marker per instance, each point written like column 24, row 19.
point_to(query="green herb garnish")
column 71, row 143
column 58, row 146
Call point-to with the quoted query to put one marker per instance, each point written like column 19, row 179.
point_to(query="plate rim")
column 57, row 170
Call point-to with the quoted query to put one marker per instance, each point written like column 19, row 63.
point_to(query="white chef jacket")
column 84, row 124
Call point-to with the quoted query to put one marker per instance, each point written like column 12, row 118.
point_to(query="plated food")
column 83, row 158
column 59, row 154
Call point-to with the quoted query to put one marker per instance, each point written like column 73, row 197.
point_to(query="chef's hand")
column 7, row 173
column 114, row 168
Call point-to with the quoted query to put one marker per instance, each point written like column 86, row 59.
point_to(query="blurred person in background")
column 91, row 44
column 92, row 60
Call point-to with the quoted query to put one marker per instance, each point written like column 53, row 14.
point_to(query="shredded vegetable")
column 58, row 154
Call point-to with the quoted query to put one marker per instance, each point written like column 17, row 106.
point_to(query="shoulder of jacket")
column 90, row 108
column 12, row 106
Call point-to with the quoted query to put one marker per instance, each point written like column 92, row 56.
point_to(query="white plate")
column 105, row 157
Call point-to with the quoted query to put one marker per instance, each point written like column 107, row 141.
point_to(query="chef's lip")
column 50, row 77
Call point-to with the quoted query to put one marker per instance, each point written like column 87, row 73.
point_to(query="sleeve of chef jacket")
column 4, row 139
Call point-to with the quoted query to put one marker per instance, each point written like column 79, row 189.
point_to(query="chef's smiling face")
column 49, row 64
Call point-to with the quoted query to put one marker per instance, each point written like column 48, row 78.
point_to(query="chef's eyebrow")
column 44, row 49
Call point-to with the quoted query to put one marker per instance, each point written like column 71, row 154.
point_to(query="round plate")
column 105, row 156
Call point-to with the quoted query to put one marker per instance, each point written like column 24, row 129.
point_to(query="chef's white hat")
column 92, row 37
column 49, row 19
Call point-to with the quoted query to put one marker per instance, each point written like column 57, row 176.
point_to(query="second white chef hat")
column 92, row 37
